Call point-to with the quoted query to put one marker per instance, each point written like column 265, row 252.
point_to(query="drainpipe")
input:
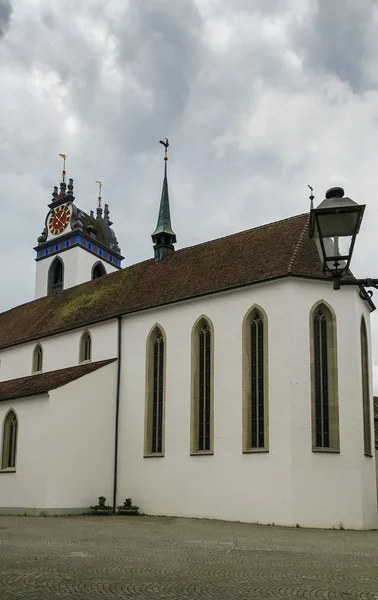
column 118, row 393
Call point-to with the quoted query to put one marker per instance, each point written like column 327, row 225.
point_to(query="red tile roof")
column 45, row 382
column 275, row 250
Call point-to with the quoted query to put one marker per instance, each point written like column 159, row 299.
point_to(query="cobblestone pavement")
column 88, row 558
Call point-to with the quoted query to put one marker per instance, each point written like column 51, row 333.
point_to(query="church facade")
column 227, row 380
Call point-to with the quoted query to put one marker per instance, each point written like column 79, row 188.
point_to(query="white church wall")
column 81, row 442
column 229, row 484
column 370, row 497
column 290, row 484
column 59, row 351
column 328, row 490
column 24, row 491
column 78, row 265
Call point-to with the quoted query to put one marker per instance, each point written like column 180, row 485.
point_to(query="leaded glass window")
column 157, row 394
column 204, row 392
column 321, row 379
column 37, row 359
column 9, row 441
column 366, row 398
column 86, row 347
column 257, row 381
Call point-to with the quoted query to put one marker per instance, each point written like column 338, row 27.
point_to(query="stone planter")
column 103, row 512
column 127, row 511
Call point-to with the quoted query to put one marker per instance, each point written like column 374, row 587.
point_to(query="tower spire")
column 99, row 199
column 164, row 237
column 64, row 156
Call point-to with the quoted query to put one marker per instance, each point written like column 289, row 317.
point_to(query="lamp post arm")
column 362, row 283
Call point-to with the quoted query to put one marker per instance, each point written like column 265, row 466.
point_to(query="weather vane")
column 64, row 156
column 99, row 193
column 165, row 144
column 311, row 197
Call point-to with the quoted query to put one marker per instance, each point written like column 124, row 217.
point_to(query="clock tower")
column 74, row 246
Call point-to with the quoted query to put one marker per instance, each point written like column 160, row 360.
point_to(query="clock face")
column 59, row 219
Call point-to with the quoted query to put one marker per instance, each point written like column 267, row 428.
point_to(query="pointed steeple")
column 164, row 237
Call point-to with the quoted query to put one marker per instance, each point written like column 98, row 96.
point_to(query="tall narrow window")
column 255, row 381
column 202, row 388
column 365, row 388
column 155, row 394
column 56, row 276
column 325, row 410
column 9, row 446
column 85, row 347
column 37, row 359
column 98, row 270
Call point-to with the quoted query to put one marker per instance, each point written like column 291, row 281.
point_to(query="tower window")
column 98, row 270
column 56, row 276
column 85, row 347
column 8, row 460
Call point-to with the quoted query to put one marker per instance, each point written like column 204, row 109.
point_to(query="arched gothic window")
column 202, row 409
column 324, row 393
column 366, row 398
column 85, row 347
column 37, row 359
column 9, row 446
column 56, row 276
column 255, row 381
column 155, row 393
column 98, row 270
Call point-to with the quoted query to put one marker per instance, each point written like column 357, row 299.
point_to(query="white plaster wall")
column 81, row 441
column 78, row 264
column 229, row 484
column 290, row 484
column 25, row 489
column 59, row 351
column 328, row 489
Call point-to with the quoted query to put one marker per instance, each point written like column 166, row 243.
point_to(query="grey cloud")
column 339, row 38
column 5, row 16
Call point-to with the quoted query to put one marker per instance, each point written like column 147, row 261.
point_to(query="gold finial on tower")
column 64, row 156
column 165, row 144
column 99, row 193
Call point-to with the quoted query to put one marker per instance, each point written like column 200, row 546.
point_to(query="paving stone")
column 88, row 558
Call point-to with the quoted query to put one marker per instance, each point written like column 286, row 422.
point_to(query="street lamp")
column 335, row 224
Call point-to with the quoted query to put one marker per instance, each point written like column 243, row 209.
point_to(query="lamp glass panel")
column 339, row 224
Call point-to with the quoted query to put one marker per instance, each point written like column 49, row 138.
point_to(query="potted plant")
column 128, row 508
column 101, row 508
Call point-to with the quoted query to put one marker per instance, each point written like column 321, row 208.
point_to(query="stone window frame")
column 194, row 385
column 333, row 387
column 246, row 383
column 5, row 450
column 37, row 360
column 366, row 396
column 148, row 410
column 85, row 343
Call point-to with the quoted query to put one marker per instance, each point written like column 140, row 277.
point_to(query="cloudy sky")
column 258, row 99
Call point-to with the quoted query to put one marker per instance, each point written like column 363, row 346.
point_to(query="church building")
column 227, row 380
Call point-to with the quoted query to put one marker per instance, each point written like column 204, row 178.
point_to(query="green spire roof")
column 164, row 220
